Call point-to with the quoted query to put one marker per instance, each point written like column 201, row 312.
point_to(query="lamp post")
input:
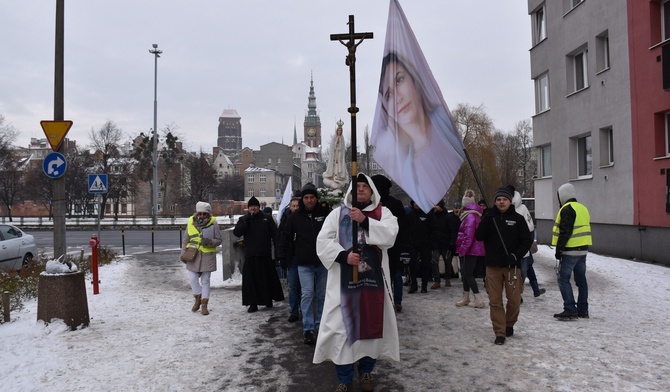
column 154, row 190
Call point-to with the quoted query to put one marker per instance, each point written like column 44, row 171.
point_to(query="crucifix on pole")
column 350, row 41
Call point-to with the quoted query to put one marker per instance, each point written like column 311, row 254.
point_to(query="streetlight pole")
column 154, row 190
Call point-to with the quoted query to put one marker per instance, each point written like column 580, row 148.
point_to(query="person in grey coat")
column 203, row 233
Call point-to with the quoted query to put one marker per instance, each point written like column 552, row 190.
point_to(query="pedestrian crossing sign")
column 97, row 183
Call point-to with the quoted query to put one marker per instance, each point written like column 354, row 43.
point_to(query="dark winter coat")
column 420, row 228
column 299, row 234
column 260, row 283
column 514, row 232
column 259, row 231
column 398, row 210
column 444, row 230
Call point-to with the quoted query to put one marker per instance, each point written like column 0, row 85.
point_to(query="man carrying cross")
column 358, row 321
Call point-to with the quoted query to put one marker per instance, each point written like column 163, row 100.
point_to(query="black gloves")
column 558, row 254
column 206, row 241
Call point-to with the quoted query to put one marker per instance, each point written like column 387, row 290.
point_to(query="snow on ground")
column 143, row 337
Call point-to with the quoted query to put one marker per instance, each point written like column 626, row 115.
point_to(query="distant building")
column 230, row 132
column 264, row 184
column 601, row 70
column 312, row 124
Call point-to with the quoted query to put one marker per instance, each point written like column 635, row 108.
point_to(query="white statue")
column 336, row 174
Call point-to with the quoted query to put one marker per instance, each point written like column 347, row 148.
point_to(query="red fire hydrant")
column 94, row 263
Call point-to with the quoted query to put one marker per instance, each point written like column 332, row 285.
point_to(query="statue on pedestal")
column 336, row 174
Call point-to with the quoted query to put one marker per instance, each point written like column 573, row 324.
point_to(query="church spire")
column 312, row 121
column 295, row 133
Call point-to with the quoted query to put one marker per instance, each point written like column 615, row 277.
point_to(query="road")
column 135, row 241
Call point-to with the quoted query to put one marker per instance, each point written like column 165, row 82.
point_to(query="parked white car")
column 17, row 248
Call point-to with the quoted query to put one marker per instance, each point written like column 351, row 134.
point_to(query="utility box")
column 63, row 296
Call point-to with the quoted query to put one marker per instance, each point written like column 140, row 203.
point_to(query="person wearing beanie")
column 290, row 263
column 572, row 238
column 260, row 282
column 419, row 248
column 204, row 234
column 506, row 240
column 444, row 229
column 527, row 269
column 253, row 202
column 469, row 249
column 298, row 236
column 383, row 185
column 359, row 324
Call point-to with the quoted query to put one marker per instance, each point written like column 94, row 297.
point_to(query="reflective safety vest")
column 195, row 237
column 581, row 231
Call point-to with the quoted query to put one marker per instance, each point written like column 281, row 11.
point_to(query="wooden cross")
column 349, row 40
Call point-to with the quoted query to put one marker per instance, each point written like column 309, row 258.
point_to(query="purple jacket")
column 466, row 243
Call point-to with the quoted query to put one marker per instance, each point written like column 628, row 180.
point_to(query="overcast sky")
column 253, row 56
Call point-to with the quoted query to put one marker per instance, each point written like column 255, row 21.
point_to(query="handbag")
column 189, row 254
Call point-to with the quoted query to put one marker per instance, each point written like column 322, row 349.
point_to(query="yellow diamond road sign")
column 56, row 131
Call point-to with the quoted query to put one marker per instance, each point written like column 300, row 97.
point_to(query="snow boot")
column 435, row 286
column 478, row 303
column 196, row 305
column 465, row 300
column 204, row 310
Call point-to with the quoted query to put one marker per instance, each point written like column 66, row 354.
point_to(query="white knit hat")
column 201, row 206
column 468, row 198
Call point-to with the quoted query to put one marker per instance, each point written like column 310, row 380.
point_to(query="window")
column 667, row 134
column 261, row 178
column 172, row 208
column 261, row 192
column 250, row 178
column 124, row 208
column 279, row 161
column 665, row 20
column 569, row 5
column 603, row 51
column 577, row 69
column 542, row 93
column 250, row 193
column 606, row 147
column 159, row 208
column 269, row 161
column 539, row 25
column 545, row 160
column 584, row 158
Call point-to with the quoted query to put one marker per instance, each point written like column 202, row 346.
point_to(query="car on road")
column 17, row 248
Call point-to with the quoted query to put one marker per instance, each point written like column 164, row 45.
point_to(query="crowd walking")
column 347, row 285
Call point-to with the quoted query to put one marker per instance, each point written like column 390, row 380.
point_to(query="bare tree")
column 106, row 142
column 476, row 129
column 7, row 136
column 201, row 180
column 11, row 175
column 526, row 159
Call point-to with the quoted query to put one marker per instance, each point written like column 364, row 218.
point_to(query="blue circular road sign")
column 54, row 165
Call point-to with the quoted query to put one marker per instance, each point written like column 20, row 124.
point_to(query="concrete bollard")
column 63, row 296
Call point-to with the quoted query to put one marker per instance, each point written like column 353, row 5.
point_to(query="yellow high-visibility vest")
column 195, row 238
column 581, row 231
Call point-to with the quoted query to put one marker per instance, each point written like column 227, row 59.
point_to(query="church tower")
column 312, row 120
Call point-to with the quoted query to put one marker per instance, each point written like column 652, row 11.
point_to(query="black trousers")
column 420, row 259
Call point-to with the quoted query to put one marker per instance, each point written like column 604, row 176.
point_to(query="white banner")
column 415, row 139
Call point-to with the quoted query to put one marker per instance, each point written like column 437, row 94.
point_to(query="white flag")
column 285, row 201
column 415, row 139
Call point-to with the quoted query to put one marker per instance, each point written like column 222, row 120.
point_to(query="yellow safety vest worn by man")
column 572, row 238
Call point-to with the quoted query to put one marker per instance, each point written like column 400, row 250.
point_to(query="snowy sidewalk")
column 143, row 337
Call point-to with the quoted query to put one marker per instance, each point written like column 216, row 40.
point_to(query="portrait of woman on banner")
column 413, row 133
